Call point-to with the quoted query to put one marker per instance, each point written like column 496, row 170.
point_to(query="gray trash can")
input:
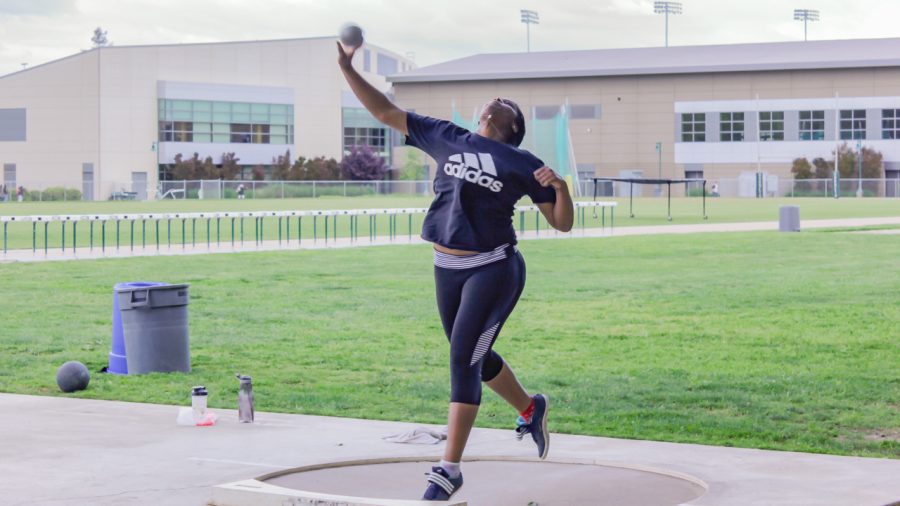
column 789, row 219
column 155, row 325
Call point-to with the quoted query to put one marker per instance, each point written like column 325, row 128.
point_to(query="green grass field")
column 648, row 211
column 764, row 340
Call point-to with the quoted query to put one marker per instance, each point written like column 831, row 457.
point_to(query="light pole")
column 659, row 167
column 529, row 18
column 806, row 15
column 859, row 192
column 665, row 7
column 155, row 147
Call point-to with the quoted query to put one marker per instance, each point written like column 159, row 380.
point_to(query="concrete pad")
column 499, row 482
column 65, row 451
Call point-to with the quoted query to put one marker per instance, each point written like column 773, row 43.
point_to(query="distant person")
column 240, row 191
column 714, row 190
column 4, row 194
column 20, row 194
column 479, row 273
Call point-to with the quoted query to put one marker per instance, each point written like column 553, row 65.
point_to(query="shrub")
column 363, row 164
column 697, row 192
column 56, row 193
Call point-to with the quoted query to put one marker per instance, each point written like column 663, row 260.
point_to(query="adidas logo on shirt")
column 478, row 169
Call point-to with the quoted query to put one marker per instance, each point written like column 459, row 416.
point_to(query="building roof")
column 190, row 44
column 825, row 54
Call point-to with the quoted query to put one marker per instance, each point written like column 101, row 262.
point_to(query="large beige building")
column 106, row 120
column 715, row 112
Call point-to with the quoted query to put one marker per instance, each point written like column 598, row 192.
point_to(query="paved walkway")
column 63, row 451
column 226, row 247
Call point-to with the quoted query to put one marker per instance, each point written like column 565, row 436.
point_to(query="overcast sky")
column 37, row 31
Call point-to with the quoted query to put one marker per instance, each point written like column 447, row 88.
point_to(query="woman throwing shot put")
column 478, row 271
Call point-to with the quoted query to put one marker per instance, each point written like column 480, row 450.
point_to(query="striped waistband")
column 447, row 261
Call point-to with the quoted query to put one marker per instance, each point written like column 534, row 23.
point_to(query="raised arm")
column 560, row 214
column 375, row 101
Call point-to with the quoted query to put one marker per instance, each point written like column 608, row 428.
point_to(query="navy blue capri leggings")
column 475, row 299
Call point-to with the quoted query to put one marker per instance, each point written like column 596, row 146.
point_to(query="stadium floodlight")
column 664, row 7
column 529, row 18
column 806, row 15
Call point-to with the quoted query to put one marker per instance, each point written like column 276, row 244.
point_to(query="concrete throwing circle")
column 493, row 481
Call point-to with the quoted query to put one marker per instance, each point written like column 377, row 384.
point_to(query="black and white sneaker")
column 538, row 425
column 440, row 485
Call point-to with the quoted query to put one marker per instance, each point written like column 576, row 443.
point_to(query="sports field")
column 765, row 340
column 648, row 211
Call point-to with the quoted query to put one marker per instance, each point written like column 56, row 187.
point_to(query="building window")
column 367, row 60
column 545, row 111
column 890, row 123
column 771, row 126
column 360, row 128
column 387, row 65
column 225, row 122
column 812, row 125
column 375, row 138
column 176, row 131
column 731, row 126
column 584, row 111
column 853, row 124
column 693, row 127
column 12, row 125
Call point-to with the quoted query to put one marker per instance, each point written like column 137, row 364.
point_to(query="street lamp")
column 806, row 15
column 859, row 192
column 529, row 18
column 659, row 168
column 662, row 7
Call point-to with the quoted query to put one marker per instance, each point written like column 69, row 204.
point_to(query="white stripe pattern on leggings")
column 448, row 261
column 484, row 343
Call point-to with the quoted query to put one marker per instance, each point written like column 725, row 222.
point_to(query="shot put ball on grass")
column 351, row 35
column 72, row 376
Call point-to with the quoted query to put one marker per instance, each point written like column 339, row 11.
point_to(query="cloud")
column 37, row 31
column 36, row 7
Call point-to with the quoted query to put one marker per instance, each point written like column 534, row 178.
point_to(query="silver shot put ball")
column 351, row 35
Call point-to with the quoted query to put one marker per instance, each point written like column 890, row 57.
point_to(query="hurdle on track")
column 145, row 230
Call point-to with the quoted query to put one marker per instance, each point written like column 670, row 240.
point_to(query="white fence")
column 768, row 187
column 745, row 186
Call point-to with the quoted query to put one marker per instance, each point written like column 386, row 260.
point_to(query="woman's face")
column 497, row 120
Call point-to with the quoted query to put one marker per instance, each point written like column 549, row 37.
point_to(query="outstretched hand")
column 548, row 177
column 345, row 55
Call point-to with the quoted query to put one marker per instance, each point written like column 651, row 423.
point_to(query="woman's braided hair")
column 518, row 126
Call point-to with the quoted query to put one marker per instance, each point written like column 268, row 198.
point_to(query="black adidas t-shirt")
column 476, row 186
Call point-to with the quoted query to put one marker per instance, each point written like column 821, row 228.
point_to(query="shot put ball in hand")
column 351, row 35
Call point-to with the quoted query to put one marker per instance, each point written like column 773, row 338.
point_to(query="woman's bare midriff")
column 450, row 251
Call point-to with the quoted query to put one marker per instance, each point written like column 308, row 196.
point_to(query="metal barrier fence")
column 219, row 189
column 215, row 189
column 138, row 234
column 773, row 186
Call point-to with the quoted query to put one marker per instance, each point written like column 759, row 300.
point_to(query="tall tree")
column 259, row 172
column 281, row 167
column 230, row 168
column 322, row 169
column 801, row 169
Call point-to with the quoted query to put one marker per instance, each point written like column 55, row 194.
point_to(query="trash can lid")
column 132, row 287
column 137, row 284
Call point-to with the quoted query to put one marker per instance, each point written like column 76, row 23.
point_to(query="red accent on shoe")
column 526, row 415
